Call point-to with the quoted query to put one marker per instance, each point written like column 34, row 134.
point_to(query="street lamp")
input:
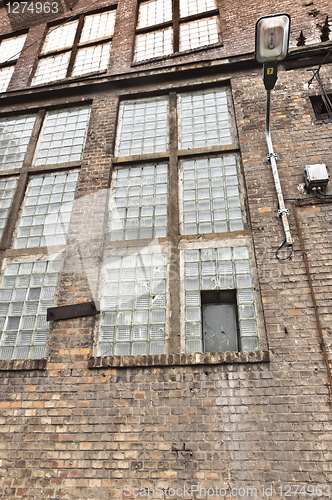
column 272, row 38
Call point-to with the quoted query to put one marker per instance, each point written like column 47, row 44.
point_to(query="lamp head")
column 272, row 37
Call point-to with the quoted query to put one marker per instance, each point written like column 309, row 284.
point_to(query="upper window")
column 76, row 48
column 10, row 49
column 165, row 27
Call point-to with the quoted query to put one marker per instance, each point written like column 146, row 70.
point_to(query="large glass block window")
column 84, row 48
column 15, row 135
column 63, row 136
column 133, row 318
column 210, row 195
column 7, row 191
column 204, row 120
column 139, row 204
column 143, row 127
column 225, row 270
column 47, row 210
column 165, row 27
column 27, row 291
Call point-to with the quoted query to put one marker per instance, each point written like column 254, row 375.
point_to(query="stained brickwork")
column 76, row 426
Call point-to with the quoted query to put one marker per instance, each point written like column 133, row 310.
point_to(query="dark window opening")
column 320, row 110
column 220, row 321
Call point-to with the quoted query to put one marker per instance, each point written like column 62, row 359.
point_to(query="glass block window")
column 90, row 59
column 15, row 135
column 198, row 33
column 7, row 191
column 139, row 205
column 154, row 12
column 5, row 77
column 47, row 210
column 133, row 318
column 143, row 127
column 219, row 269
column 10, row 48
column 161, row 31
column 51, row 68
column 204, row 120
column 192, row 7
column 27, row 291
column 84, row 48
column 154, row 44
column 60, row 37
column 210, row 195
column 98, row 26
column 63, row 136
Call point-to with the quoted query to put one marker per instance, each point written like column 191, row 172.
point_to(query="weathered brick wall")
column 73, row 432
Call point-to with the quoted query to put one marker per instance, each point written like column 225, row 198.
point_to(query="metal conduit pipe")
column 272, row 158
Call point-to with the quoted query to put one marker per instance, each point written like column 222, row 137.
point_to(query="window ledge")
column 208, row 358
column 23, row 364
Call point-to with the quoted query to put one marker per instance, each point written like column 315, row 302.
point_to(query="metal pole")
column 272, row 158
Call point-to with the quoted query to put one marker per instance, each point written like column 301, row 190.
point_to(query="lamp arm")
column 272, row 158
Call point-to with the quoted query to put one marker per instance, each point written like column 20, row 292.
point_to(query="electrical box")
column 316, row 176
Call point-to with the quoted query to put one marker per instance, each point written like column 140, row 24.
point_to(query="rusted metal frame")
column 154, row 27
column 75, row 45
column 173, row 229
column 21, row 184
column 272, row 158
column 314, row 300
column 176, row 19
column 200, row 15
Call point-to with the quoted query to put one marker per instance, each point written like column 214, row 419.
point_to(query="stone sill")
column 208, row 358
column 23, row 364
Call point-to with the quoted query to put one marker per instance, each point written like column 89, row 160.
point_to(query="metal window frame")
column 175, row 23
column 76, row 46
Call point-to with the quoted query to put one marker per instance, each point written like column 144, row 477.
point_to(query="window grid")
column 156, row 44
column 5, row 77
column 60, row 37
column 143, row 127
column 183, row 25
column 154, row 12
column 63, row 136
column 91, row 59
column 26, row 291
column 15, row 135
column 204, row 119
column 133, row 317
column 211, row 197
column 7, row 191
column 47, row 210
column 139, row 206
column 98, row 26
column 198, row 33
column 219, row 269
column 10, row 48
column 192, row 7
column 76, row 58
column 52, row 68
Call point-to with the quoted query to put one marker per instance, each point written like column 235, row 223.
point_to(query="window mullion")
column 75, row 46
column 173, row 229
column 176, row 16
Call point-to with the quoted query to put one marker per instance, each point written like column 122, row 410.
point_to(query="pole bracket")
column 283, row 211
column 271, row 155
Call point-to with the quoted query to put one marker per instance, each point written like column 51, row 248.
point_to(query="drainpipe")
column 272, row 157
